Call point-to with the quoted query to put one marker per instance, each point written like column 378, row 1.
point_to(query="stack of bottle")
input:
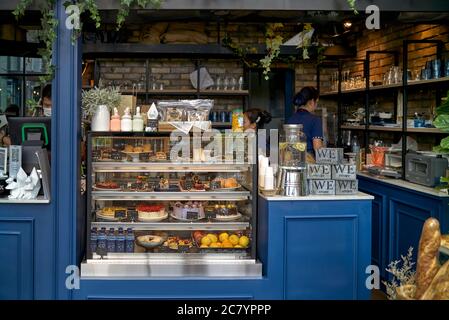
column 102, row 241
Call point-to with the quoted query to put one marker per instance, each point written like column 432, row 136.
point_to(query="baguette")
column 427, row 265
column 439, row 287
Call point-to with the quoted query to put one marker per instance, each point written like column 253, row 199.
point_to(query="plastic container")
column 101, row 243
column 101, row 119
column 120, row 241
column 129, row 241
column 237, row 120
column 111, row 240
column 93, row 240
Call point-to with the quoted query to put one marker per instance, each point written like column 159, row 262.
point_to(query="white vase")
column 101, row 119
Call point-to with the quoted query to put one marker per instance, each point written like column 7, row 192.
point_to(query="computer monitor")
column 30, row 131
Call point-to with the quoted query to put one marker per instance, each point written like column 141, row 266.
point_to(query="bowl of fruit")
column 221, row 241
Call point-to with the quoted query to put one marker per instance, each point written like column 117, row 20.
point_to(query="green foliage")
column 351, row 4
column 273, row 42
column 442, row 122
column 125, row 6
column 47, row 35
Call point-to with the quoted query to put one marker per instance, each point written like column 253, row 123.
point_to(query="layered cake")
column 148, row 212
column 188, row 211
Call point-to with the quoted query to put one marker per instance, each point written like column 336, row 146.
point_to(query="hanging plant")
column 47, row 35
column 273, row 42
column 352, row 4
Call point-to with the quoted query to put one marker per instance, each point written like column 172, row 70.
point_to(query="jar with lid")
column 292, row 146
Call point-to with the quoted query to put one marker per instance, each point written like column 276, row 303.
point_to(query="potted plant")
column 97, row 104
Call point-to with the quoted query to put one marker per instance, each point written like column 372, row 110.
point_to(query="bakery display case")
column 181, row 215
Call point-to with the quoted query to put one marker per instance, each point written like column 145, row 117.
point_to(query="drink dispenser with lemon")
column 292, row 178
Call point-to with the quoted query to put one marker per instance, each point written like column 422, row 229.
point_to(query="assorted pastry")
column 178, row 243
column 107, row 185
column 110, row 211
column 191, row 182
column 224, row 183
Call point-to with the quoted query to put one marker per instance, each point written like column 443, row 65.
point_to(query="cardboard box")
column 346, row 187
column 319, row 171
column 322, row 187
column 344, row 171
column 329, row 155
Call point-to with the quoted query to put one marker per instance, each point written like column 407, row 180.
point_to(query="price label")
column 133, row 215
column 96, row 154
column 116, row 155
column 120, row 214
column 191, row 215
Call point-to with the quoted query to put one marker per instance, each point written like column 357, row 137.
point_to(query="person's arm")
column 317, row 134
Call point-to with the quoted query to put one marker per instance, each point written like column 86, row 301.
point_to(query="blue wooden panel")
column 17, row 259
column 407, row 222
column 321, row 257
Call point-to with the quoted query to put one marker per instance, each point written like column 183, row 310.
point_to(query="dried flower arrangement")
column 403, row 275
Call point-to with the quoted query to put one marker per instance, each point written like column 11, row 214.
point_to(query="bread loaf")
column 439, row 287
column 427, row 265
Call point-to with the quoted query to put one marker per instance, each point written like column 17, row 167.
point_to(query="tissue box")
column 322, row 187
column 329, row 155
column 318, row 171
column 346, row 187
column 344, row 172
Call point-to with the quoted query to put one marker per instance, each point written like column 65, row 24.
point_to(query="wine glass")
column 233, row 83
column 226, row 83
column 241, row 83
column 219, row 83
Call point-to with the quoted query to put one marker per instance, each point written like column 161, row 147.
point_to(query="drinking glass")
column 226, row 83
column 219, row 83
column 233, row 83
column 241, row 83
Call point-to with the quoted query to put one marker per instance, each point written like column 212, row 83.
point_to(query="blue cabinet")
column 320, row 248
column 398, row 216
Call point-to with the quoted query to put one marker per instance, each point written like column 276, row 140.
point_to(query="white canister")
column 101, row 119
column 126, row 123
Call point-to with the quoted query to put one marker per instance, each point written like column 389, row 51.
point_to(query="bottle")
column 93, row 240
column 138, row 121
column 129, row 242
column 237, row 120
column 126, row 123
column 120, row 242
column 152, row 115
column 101, row 243
column 115, row 121
column 355, row 148
column 111, row 240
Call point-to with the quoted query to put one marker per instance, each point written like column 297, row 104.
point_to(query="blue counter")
column 310, row 247
column 399, row 211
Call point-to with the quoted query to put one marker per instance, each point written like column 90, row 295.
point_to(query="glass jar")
column 292, row 146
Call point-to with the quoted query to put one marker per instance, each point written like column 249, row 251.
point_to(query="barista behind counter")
column 307, row 101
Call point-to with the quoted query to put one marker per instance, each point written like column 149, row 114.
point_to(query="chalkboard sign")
column 191, row 215
column 116, row 155
column 145, row 157
column 96, row 155
column 133, row 215
column 120, row 214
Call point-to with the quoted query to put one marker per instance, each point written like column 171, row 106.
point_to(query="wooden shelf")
column 388, row 87
column 189, row 92
column 221, row 124
column 394, row 129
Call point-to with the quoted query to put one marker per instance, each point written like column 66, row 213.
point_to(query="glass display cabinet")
column 181, row 213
